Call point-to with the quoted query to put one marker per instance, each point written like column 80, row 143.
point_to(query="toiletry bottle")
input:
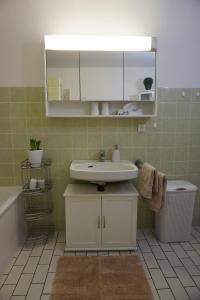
column 115, row 154
column 95, row 109
column 105, row 109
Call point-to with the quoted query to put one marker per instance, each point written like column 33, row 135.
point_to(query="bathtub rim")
column 16, row 191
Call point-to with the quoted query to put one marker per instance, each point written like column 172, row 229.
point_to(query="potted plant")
column 35, row 153
column 148, row 81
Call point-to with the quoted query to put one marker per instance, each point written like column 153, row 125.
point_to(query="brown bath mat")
column 100, row 278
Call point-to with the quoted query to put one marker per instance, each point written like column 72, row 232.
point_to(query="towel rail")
column 139, row 163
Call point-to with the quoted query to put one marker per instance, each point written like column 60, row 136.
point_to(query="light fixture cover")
column 98, row 43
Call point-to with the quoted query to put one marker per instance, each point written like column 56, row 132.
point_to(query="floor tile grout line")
column 176, row 274
column 49, row 264
column 197, row 265
column 187, row 291
column 26, row 273
column 12, row 266
column 155, row 289
column 172, row 268
column 18, row 281
column 195, row 250
column 36, row 269
column 11, row 270
column 181, row 282
column 147, row 265
column 170, row 262
column 160, row 271
column 188, row 275
column 32, row 276
column 31, row 273
column 8, row 272
column 3, row 280
column 189, row 286
column 172, row 292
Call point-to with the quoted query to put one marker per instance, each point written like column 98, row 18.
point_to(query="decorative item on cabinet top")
column 79, row 70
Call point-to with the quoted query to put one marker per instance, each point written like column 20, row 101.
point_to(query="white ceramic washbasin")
column 102, row 172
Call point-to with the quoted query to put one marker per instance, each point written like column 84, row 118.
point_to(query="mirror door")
column 101, row 75
column 62, row 75
column 137, row 67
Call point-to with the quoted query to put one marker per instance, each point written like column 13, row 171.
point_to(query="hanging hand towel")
column 147, row 181
column 158, row 198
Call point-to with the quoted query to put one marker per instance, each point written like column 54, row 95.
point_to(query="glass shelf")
column 38, row 190
column 36, row 214
column 25, row 164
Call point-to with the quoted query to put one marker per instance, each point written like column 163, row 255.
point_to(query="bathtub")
column 12, row 226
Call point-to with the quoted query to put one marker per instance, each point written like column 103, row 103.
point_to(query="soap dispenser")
column 115, row 154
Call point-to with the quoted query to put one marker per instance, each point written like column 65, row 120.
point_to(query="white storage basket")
column 174, row 220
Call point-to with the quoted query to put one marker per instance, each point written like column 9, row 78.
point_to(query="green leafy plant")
column 35, row 144
column 148, row 81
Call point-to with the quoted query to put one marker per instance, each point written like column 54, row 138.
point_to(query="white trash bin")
column 174, row 220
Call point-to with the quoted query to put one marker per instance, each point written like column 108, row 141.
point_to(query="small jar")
column 33, row 184
column 41, row 184
column 94, row 109
column 105, row 109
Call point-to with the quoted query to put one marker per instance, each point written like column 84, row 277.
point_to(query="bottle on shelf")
column 115, row 154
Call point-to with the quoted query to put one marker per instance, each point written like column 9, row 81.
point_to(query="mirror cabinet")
column 75, row 80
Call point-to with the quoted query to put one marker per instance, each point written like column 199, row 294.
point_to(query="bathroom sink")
column 102, row 172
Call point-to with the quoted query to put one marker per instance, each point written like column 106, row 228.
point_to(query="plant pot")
column 35, row 157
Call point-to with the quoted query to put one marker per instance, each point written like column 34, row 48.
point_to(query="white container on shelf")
column 35, row 157
column 115, row 154
column 147, row 95
column 95, row 109
column 105, row 109
column 33, row 184
column 41, row 184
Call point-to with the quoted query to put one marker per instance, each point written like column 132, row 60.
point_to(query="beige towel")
column 158, row 198
column 147, row 181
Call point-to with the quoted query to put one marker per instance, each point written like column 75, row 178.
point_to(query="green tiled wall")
column 173, row 146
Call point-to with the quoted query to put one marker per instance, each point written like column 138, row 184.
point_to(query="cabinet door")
column 83, row 222
column 101, row 75
column 119, row 219
column 138, row 66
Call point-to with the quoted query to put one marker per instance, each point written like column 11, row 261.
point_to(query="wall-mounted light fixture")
column 98, row 43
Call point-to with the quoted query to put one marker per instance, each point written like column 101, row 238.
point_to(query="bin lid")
column 180, row 185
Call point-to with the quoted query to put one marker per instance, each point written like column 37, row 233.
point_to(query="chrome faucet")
column 102, row 155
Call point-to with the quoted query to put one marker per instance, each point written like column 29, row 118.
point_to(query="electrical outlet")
column 141, row 127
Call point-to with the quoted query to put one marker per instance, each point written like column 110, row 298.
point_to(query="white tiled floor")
column 173, row 269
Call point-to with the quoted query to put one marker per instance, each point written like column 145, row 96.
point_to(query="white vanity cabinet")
column 83, row 221
column 100, row 220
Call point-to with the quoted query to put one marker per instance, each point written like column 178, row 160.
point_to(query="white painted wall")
column 176, row 23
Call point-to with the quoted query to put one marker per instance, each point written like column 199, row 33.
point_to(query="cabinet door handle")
column 98, row 225
column 104, row 222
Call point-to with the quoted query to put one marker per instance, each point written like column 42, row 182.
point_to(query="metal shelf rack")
column 38, row 201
